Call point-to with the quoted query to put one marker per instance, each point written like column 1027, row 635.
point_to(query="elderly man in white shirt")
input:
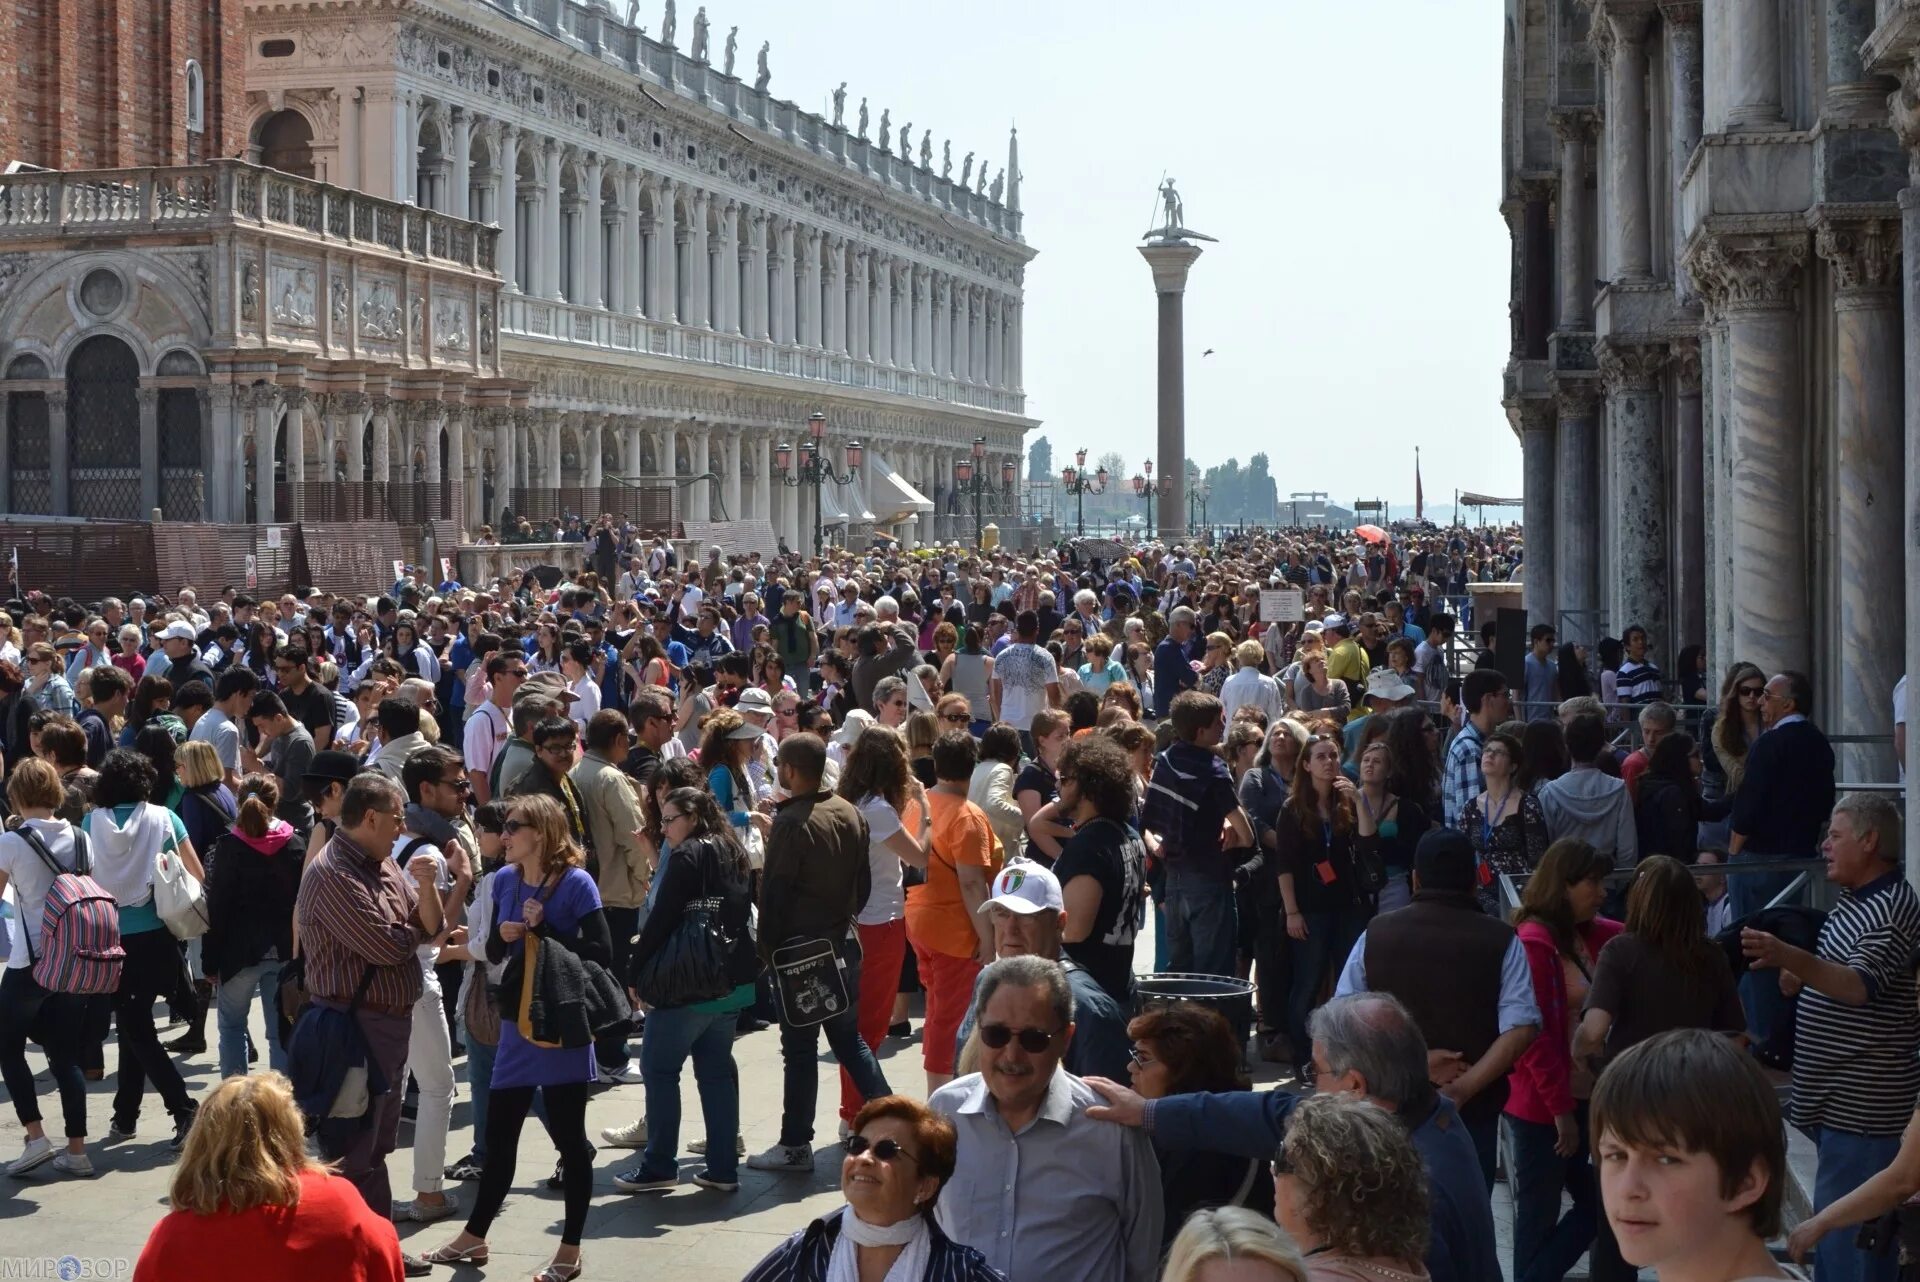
column 1249, row 685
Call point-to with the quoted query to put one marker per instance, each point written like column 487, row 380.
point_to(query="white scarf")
column 909, row 1266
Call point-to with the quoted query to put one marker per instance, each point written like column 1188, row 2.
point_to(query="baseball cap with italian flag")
column 1026, row 887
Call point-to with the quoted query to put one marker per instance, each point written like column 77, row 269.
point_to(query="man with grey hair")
column 1173, row 660
column 886, row 611
column 1657, row 721
column 1855, row 1075
column 1040, row 1186
column 1364, row 1044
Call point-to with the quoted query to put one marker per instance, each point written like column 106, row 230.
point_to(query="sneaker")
column 181, row 1125
column 628, row 1074
column 783, row 1157
column 466, row 1170
column 846, row 1130
column 118, row 1131
column 419, row 1212
column 558, row 1180
column 37, row 1153
column 76, row 1164
column 699, row 1147
column 903, row 1030
column 636, row 1181
column 188, row 1043
column 632, row 1135
column 414, row 1266
column 707, row 1181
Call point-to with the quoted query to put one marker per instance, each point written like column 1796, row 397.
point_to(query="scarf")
column 911, row 1233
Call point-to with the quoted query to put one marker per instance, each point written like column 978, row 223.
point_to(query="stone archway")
column 284, row 141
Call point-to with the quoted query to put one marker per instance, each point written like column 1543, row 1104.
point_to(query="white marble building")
column 686, row 268
column 1706, row 373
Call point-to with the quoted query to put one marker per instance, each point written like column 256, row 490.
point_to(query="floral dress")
column 1510, row 841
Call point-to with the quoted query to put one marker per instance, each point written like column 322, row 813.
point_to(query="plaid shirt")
column 1461, row 780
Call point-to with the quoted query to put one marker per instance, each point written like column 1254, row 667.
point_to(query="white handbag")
column 178, row 897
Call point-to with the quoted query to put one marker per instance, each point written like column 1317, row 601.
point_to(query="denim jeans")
column 1200, row 930
column 1769, row 1012
column 671, row 1036
column 1330, row 937
column 1546, row 1243
column 480, row 1086
column 800, row 1053
column 235, row 999
column 1847, row 1161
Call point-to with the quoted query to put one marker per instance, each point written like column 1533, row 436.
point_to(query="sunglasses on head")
column 1032, row 1040
column 884, row 1150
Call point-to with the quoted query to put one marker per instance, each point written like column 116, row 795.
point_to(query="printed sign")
column 446, row 569
column 399, row 571
column 253, row 571
column 1283, row 605
column 273, row 537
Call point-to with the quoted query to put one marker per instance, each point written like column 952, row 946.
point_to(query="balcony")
column 548, row 320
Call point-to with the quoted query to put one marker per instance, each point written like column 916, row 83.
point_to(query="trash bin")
column 1231, row 997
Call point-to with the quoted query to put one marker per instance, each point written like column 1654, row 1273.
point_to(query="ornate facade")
column 1707, row 358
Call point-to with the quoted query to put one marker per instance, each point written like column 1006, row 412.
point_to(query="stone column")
column 549, row 248
column 880, row 316
column 809, row 308
column 1689, row 491
column 1627, row 146
column 506, row 204
column 730, row 450
column 148, row 400
column 702, row 462
column 1576, row 511
column 942, row 362
column 592, row 470
column 1638, row 498
column 455, row 463
column 1170, row 262
column 783, row 264
column 666, row 286
column 1868, row 431
column 923, row 319
column 507, row 427
column 1753, row 279
column 1538, row 464
column 836, row 296
column 1685, row 115
column 727, row 318
column 459, row 194
column 594, row 295
column 859, row 314
column 964, row 304
column 550, row 447
column 1853, row 92
column 384, row 411
column 756, row 290
column 59, row 453
column 699, row 266
column 266, row 417
column 1753, row 37
column 763, row 477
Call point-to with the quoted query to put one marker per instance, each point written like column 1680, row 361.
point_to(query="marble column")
column 1853, row 92
column 727, row 309
column 964, row 304
column 942, row 363
column 592, row 466
column 460, row 194
column 1754, row 279
column 1905, row 104
column 1753, row 37
column 666, row 231
column 549, row 248
column 1576, row 512
column 593, row 293
column 783, row 298
column 880, row 325
column 699, row 265
column 1632, row 224
column 763, row 477
column 266, row 416
column 550, row 447
column 1639, row 552
column 835, row 300
column 809, row 274
column 756, row 291
column 702, row 465
column 506, row 206
column 1689, row 498
column 730, row 451
column 1537, row 462
column 148, row 401
column 456, row 465
column 1868, row 430
column 859, row 315
column 923, row 319
column 1686, row 111
column 1170, row 261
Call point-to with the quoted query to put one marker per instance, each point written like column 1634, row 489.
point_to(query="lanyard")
column 1489, row 825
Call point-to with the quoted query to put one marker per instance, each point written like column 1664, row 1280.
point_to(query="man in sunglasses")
column 1040, row 1186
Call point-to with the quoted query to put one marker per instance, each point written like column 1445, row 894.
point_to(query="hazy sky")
column 1345, row 153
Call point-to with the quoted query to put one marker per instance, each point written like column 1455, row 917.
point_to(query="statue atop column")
column 1174, row 212
column 926, row 149
column 666, row 26
column 886, row 128
column 700, row 35
column 906, row 142
column 633, row 11
column 863, row 120
column 762, row 76
column 733, row 45
column 840, row 105
column 980, row 186
column 946, row 159
column 966, row 171
column 999, row 186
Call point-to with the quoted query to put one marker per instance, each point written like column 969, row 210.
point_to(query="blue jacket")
column 324, row 1044
column 1252, row 1124
column 1173, row 670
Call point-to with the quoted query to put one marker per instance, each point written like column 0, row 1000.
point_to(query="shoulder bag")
column 691, row 966
column 179, row 897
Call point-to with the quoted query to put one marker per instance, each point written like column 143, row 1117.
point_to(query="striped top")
column 804, row 1257
column 1637, row 682
column 354, row 910
column 1854, row 1067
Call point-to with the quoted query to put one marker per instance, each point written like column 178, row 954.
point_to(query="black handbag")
column 691, row 966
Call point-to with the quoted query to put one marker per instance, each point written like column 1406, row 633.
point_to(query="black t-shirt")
column 1035, row 777
column 312, row 707
column 1113, row 855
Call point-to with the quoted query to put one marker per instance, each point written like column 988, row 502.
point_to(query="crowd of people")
column 533, row 841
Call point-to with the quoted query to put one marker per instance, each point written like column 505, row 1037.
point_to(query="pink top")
column 1542, row 1083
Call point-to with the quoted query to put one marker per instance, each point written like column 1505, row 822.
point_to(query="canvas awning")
column 1470, row 499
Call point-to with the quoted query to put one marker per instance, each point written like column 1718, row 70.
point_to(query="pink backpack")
column 80, row 924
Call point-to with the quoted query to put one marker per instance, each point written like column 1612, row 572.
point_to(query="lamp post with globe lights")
column 1197, row 502
column 970, row 474
column 816, row 469
column 1146, row 487
column 1077, row 483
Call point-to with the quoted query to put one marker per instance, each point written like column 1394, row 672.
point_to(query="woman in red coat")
column 247, row 1196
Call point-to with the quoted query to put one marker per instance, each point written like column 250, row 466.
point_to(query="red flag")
column 1419, row 495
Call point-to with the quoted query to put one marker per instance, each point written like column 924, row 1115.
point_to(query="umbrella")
column 1371, row 533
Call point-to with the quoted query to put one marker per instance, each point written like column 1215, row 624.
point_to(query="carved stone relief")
column 295, row 296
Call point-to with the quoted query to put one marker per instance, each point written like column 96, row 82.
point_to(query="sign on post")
column 253, row 571
column 446, row 569
column 273, row 537
column 1283, row 605
column 399, row 570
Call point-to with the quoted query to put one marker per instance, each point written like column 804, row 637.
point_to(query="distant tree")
column 1119, row 491
column 1040, row 460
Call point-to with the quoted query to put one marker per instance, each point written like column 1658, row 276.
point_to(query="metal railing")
column 1808, row 886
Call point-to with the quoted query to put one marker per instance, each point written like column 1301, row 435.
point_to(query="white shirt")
column 888, row 899
column 216, row 728
column 1251, row 686
column 587, row 704
column 29, row 878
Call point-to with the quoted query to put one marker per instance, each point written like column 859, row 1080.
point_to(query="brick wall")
column 90, row 84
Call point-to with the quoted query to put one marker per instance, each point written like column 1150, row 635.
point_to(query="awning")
column 1469, row 499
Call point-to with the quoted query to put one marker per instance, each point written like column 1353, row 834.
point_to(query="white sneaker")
column 628, row 1074
column 699, row 1147
column 633, row 1135
column 37, row 1153
column 74, row 1164
column 783, row 1157
column 846, row 1130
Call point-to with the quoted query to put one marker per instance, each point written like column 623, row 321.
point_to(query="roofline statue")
column 1174, row 228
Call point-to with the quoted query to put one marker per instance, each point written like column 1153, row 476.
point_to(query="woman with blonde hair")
column 248, row 1199
column 544, row 892
column 1232, row 1244
column 1350, row 1189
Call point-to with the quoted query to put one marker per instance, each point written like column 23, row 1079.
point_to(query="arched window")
column 285, row 140
column 196, row 98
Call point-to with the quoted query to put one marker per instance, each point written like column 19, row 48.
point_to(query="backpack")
column 81, row 924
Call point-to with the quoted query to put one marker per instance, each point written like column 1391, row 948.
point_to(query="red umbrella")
column 1371, row 533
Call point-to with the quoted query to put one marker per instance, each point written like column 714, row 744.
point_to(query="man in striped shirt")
column 1855, row 1075
column 361, row 918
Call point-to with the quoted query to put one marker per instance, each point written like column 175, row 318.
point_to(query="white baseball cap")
column 1026, row 887
column 178, row 630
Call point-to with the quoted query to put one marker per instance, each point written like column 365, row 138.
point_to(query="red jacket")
column 1540, row 1086
column 330, row 1236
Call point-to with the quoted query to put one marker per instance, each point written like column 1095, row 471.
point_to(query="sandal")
column 448, row 1254
column 557, row 1272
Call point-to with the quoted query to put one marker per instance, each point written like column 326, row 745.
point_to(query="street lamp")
column 1076, row 482
column 815, row 468
column 1145, row 487
column 970, row 474
column 1197, row 501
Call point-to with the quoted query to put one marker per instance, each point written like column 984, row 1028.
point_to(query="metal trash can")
column 1232, row 998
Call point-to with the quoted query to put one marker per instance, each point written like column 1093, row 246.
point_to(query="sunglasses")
column 1032, row 1040
column 513, row 825
column 956, row 718
column 666, row 818
column 884, row 1150
column 1751, row 692
column 462, row 783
